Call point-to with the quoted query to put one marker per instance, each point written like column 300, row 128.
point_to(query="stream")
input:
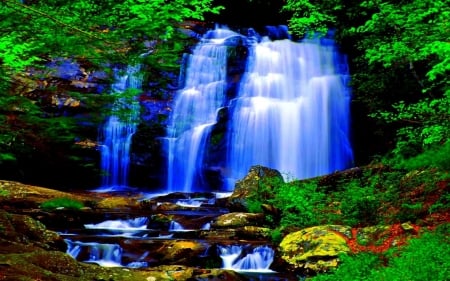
column 169, row 229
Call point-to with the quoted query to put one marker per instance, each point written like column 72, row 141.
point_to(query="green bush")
column 63, row 202
column 353, row 268
column 359, row 205
column 436, row 158
column 299, row 202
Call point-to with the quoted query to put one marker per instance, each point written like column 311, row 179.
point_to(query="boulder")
column 251, row 183
column 237, row 219
column 315, row 249
column 254, row 232
column 21, row 233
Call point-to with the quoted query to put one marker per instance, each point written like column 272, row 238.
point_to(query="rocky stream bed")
column 136, row 235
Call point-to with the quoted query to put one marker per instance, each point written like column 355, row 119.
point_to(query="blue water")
column 291, row 113
column 117, row 132
column 194, row 113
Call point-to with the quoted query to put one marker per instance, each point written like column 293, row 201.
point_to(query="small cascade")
column 117, row 133
column 195, row 111
column 175, row 226
column 108, row 255
column 121, row 227
column 239, row 258
column 292, row 111
column 206, row 226
column 193, row 203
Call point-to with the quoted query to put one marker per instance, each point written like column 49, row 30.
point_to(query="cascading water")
column 175, row 226
column 256, row 259
column 195, row 111
column 108, row 255
column 292, row 111
column 117, row 133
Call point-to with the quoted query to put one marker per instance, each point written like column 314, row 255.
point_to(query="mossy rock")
column 26, row 230
column 250, row 184
column 117, row 203
column 254, row 232
column 237, row 219
column 180, row 251
column 315, row 248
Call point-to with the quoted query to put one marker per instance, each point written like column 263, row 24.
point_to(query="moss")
column 63, row 202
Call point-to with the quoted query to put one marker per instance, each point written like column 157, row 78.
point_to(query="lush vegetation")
column 61, row 203
column 366, row 196
column 423, row 258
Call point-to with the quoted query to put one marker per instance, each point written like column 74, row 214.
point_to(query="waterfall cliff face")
column 117, row 133
column 290, row 111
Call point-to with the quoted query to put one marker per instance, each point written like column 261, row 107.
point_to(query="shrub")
column 300, row 203
column 63, row 202
column 359, row 205
column 353, row 268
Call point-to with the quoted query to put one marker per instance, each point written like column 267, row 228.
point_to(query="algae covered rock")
column 315, row 248
column 254, row 232
column 27, row 231
column 237, row 219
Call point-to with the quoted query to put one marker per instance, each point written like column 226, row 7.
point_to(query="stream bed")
column 172, row 229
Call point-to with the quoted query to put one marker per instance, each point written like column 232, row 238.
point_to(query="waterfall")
column 109, row 255
column 175, row 226
column 195, row 111
column 118, row 131
column 123, row 227
column 256, row 259
column 292, row 111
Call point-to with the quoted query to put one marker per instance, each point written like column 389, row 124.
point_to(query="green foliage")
column 409, row 211
column 111, row 30
column 276, row 236
column 311, row 16
column 299, row 203
column 436, row 157
column 63, row 202
column 423, row 258
column 442, row 204
column 352, row 268
column 4, row 193
column 359, row 204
